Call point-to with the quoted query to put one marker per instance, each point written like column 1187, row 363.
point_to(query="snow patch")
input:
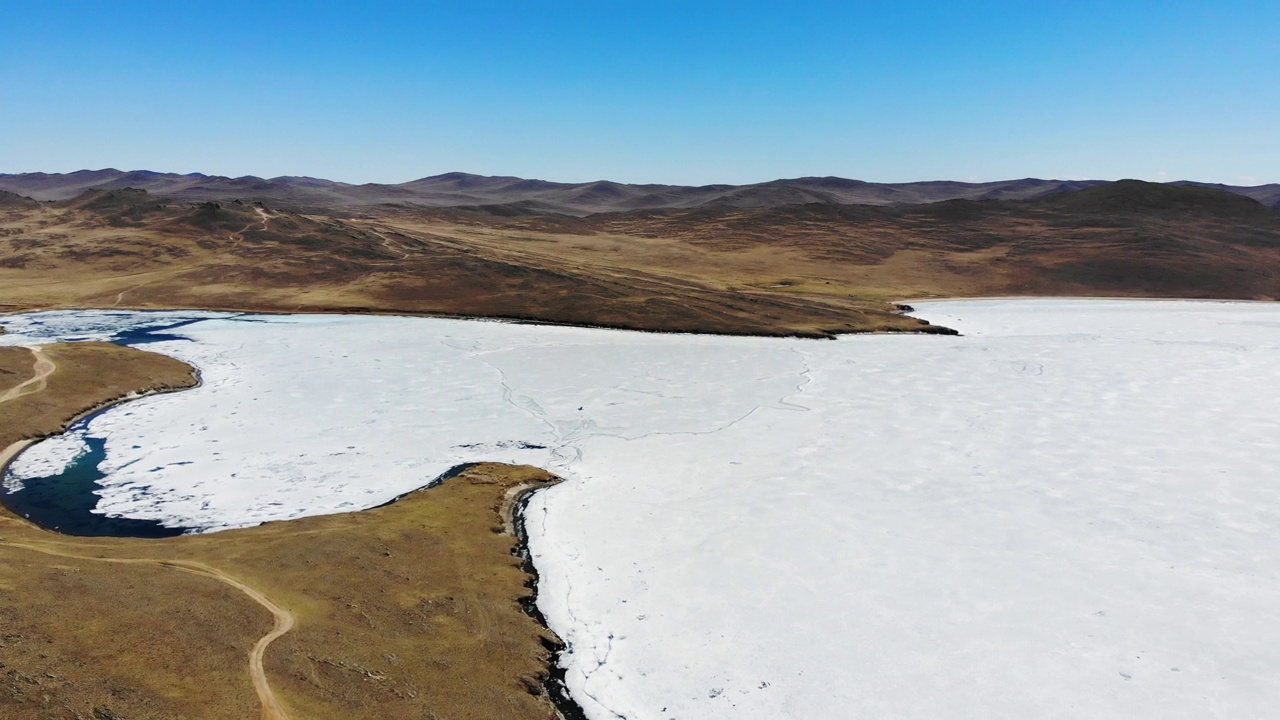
column 1072, row 509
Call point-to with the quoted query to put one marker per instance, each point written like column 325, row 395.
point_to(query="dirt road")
column 284, row 620
column 44, row 367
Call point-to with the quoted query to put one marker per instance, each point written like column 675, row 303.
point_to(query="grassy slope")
column 411, row 609
column 813, row 269
column 405, row 611
column 128, row 249
column 1127, row 238
column 117, row 371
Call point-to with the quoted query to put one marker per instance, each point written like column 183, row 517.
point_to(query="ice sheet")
column 1070, row 511
column 35, row 328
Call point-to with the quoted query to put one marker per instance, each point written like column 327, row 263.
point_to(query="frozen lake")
column 1073, row 510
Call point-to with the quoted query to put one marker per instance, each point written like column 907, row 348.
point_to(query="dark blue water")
column 153, row 333
column 65, row 502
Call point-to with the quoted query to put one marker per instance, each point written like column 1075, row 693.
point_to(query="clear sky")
column 679, row 92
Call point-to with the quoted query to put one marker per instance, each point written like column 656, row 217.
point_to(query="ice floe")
column 1071, row 510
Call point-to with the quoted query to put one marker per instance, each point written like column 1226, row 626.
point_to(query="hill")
column 128, row 248
column 463, row 190
column 814, row 268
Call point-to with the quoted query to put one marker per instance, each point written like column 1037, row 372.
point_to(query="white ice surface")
column 1072, row 511
column 50, row 457
column 35, row 328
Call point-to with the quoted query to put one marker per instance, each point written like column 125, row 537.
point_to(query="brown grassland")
column 127, row 249
column 814, row 269
column 410, row 610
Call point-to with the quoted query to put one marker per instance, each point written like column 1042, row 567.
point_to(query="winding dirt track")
column 284, row 620
column 237, row 237
column 44, row 367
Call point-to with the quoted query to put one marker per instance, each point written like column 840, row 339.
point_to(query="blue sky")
column 679, row 92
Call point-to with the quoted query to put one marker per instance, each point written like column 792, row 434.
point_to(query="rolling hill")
column 809, row 268
column 462, row 189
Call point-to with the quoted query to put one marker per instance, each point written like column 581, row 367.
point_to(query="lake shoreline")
column 923, row 329
column 10, row 454
column 482, row 492
column 1087, row 431
column 555, row 685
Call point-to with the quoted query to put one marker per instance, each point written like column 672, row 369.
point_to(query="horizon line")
column 277, row 178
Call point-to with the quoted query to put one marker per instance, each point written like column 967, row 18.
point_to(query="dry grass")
column 405, row 611
column 141, row 641
column 130, row 250
column 814, row 269
column 89, row 374
column 411, row 611
column 1127, row 238
column 15, row 367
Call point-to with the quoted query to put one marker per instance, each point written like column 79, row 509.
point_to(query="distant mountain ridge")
column 813, row 268
column 457, row 189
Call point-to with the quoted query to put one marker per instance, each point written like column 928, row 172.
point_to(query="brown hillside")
column 463, row 190
column 126, row 248
column 809, row 269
